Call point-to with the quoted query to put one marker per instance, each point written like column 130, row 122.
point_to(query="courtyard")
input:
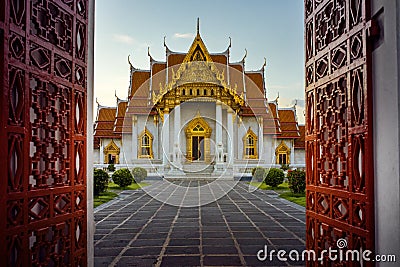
column 137, row 229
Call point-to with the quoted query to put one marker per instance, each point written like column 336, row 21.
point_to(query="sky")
column 266, row 28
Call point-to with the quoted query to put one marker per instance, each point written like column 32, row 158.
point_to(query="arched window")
column 282, row 153
column 250, row 145
column 146, row 144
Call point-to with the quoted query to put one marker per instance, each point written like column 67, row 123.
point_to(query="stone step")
column 198, row 168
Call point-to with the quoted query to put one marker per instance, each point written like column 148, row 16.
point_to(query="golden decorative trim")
column 143, row 134
column 198, row 127
column 250, row 143
column 111, row 149
column 282, row 149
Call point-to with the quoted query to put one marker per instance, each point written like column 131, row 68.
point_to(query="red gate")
column 43, row 132
column 340, row 182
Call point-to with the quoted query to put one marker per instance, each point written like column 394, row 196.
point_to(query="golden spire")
column 129, row 62
column 198, row 26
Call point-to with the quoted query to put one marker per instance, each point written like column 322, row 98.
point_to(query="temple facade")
column 197, row 114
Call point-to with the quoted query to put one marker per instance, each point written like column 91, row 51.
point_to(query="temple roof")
column 300, row 142
column 104, row 124
column 144, row 84
column 288, row 123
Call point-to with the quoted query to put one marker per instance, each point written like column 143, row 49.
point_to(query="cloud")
column 123, row 38
column 183, row 35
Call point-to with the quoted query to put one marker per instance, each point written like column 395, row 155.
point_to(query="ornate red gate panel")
column 339, row 127
column 43, row 132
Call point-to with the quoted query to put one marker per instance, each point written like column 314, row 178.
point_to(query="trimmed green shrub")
column 122, row 177
column 274, row 177
column 259, row 174
column 285, row 167
column 100, row 181
column 111, row 167
column 297, row 181
column 139, row 174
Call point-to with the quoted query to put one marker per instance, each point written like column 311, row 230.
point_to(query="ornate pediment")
column 112, row 148
column 198, row 72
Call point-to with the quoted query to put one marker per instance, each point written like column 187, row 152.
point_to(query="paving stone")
column 153, row 235
column 180, row 261
column 140, row 251
column 184, row 242
column 137, row 261
column 106, row 252
column 219, row 234
column 219, row 250
column 222, row 261
column 218, row 241
column 182, row 250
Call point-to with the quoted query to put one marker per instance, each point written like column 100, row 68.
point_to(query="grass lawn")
column 134, row 186
column 263, row 186
column 284, row 192
column 299, row 199
column 103, row 198
column 113, row 191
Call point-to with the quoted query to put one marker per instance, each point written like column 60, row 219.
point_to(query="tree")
column 139, row 174
column 122, row 177
column 297, row 181
column 100, row 181
column 259, row 174
column 274, row 177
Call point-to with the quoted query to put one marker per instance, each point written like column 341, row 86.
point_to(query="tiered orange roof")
column 111, row 122
column 301, row 142
column 104, row 125
column 120, row 116
column 288, row 123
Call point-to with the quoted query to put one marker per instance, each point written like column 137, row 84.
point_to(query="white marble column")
column 177, row 125
column 134, row 138
column 292, row 160
column 260, row 138
column 101, row 156
column 218, row 130
column 230, row 139
column 165, row 138
column 240, row 135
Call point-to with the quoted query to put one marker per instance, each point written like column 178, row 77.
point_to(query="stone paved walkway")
column 138, row 230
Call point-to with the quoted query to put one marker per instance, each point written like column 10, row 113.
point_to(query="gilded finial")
column 129, row 62
column 198, row 26
column 115, row 93
column 164, row 41
column 97, row 102
column 148, row 53
column 230, row 42
column 265, row 63
column 277, row 98
column 245, row 55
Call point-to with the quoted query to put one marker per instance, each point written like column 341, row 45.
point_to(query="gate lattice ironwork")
column 43, row 132
column 340, row 184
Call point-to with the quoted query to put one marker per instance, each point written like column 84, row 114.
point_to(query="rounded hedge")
column 274, row 177
column 100, row 181
column 122, row 177
column 139, row 174
column 111, row 167
column 259, row 174
column 297, row 181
